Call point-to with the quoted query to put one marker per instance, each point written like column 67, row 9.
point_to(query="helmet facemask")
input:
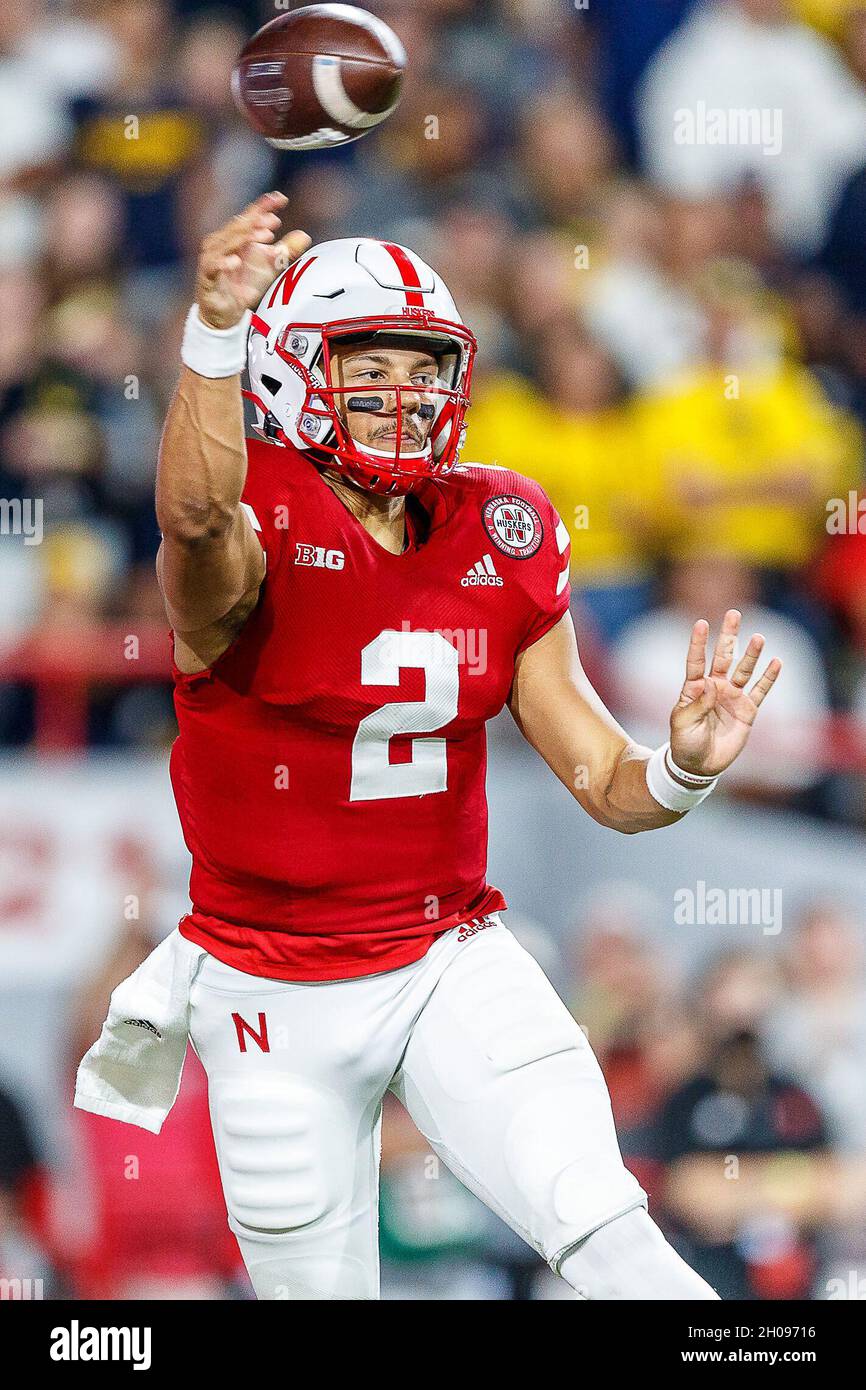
column 322, row 424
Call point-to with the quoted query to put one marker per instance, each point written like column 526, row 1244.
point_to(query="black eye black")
column 272, row 384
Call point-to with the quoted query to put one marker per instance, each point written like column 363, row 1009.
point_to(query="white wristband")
column 667, row 791
column 214, row 352
column 693, row 778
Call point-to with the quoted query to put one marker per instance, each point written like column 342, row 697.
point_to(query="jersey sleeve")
column 265, row 503
column 547, row 585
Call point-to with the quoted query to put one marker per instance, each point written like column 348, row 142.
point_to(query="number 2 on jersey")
column 374, row 777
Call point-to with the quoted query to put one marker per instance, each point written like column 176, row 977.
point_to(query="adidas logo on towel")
column 143, row 1023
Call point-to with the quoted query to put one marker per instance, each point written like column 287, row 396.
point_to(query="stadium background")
column 672, row 327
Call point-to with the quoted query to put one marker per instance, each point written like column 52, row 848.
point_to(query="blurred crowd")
column 653, row 216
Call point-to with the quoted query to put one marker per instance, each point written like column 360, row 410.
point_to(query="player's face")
column 383, row 368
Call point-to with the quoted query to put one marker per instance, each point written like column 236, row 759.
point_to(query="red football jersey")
column 330, row 767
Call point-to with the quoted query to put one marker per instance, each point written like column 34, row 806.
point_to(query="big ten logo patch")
column 319, row 557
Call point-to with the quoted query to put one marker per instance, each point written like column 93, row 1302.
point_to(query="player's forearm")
column 563, row 717
column 621, row 799
column 604, row 770
column 202, row 459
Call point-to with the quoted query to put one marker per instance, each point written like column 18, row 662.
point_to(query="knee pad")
column 285, row 1149
column 531, row 1064
column 562, row 1156
column 559, row 1144
column 502, row 1078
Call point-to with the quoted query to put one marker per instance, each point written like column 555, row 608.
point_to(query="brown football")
column 319, row 76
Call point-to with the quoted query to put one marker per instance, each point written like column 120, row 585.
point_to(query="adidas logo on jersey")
column 474, row 926
column 482, row 572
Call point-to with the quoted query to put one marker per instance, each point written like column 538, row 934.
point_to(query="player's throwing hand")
column 712, row 719
column 239, row 262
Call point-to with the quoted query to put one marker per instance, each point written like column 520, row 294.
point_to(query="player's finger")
column 268, row 207
column 696, row 660
column 748, row 661
column 290, row 247
column 270, row 222
column 726, row 644
column 266, row 202
column 244, row 228
column 708, row 697
column 218, row 258
column 240, row 233
column 218, row 265
column 761, row 689
column 211, row 262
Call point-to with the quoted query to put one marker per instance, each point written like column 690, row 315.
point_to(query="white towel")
column 133, row 1071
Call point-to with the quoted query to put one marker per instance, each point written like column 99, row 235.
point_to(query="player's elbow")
column 632, row 822
column 599, row 808
column 192, row 522
column 621, row 824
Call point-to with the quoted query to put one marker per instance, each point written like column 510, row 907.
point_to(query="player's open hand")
column 238, row 262
column 713, row 717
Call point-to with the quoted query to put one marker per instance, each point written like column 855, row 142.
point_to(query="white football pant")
column 492, row 1068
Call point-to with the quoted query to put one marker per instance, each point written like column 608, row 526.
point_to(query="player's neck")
column 383, row 517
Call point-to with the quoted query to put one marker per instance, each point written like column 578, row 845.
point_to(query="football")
column 319, row 76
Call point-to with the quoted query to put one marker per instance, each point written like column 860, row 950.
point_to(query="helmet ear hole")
column 271, row 382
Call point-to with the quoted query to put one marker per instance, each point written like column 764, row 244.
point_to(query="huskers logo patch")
column 513, row 525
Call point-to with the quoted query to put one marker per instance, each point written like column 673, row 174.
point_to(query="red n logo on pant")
column 261, row 1037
